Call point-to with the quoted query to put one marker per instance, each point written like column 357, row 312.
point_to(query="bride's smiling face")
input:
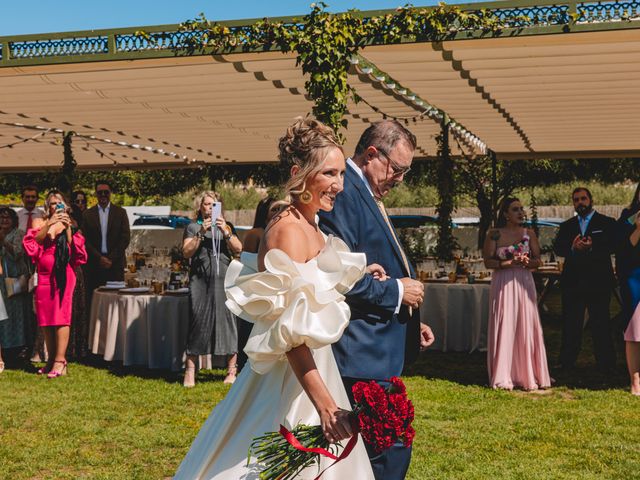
column 328, row 182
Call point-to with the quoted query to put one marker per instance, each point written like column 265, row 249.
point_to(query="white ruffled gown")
column 290, row 304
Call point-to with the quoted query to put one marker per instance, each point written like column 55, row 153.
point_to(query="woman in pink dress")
column 516, row 356
column 56, row 250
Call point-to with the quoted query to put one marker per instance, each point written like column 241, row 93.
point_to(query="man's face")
column 103, row 192
column 384, row 170
column 29, row 199
column 581, row 203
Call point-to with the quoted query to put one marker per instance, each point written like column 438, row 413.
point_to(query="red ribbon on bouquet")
column 295, row 443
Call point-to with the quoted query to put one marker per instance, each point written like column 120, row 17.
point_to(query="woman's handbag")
column 14, row 285
column 33, row 281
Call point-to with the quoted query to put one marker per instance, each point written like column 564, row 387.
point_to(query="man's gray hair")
column 385, row 135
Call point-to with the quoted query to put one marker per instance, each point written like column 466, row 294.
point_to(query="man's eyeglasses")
column 103, row 192
column 398, row 170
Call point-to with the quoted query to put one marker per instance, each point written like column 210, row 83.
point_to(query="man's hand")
column 581, row 244
column 413, row 294
column 105, row 262
column 426, row 336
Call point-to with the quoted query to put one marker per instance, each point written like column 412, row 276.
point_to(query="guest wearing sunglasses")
column 78, row 207
column 106, row 228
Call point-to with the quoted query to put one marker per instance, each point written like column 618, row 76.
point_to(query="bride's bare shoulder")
column 286, row 234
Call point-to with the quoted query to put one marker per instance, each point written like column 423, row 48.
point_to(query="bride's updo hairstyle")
column 306, row 144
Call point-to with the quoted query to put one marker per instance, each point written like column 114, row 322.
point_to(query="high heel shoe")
column 54, row 374
column 189, row 377
column 232, row 371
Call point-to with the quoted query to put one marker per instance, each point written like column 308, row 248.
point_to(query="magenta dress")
column 50, row 312
column 516, row 356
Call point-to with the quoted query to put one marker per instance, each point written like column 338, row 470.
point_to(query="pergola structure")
column 564, row 88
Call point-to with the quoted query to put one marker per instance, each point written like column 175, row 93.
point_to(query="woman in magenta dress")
column 516, row 356
column 56, row 250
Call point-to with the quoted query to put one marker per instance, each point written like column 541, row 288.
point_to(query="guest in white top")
column 29, row 213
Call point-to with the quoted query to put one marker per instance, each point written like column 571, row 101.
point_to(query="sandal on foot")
column 56, row 374
column 232, row 371
column 189, row 377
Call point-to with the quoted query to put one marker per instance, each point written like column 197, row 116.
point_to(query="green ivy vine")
column 324, row 43
column 447, row 243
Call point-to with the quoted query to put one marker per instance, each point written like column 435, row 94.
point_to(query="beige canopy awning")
column 543, row 96
column 171, row 111
column 555, row 95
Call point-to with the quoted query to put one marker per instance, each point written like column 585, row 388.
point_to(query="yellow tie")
column 393, row 233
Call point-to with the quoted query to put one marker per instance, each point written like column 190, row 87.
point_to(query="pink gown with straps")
column 49, row 310
column 516, row 356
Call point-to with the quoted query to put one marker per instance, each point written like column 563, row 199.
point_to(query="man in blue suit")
column 385, row 323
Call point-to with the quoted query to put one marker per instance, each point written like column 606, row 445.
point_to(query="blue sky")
column 41, row 16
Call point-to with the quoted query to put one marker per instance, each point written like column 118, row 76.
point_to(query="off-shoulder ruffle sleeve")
column 31, row 246
column 292, row 303
column 78, row 250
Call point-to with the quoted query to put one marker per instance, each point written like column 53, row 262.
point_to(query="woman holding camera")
column 56, row 249
column 210, row 244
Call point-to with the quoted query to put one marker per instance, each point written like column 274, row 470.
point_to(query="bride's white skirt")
column 257, row 404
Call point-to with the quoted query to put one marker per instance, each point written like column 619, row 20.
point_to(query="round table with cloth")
column 147, row 330
column 458, row 314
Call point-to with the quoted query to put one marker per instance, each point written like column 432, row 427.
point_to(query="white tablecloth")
column 148, row 330
column 458, row 314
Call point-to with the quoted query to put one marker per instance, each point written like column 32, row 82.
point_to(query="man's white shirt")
column 23, row 217
column 103, row 213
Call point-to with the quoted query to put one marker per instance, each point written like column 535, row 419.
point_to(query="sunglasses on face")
column 397, row 170
column 80, row 200
column 103, row 192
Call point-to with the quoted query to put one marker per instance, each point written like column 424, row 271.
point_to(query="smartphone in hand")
column 216, row 210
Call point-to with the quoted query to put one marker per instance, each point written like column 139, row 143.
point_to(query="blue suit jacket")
column 373, row 345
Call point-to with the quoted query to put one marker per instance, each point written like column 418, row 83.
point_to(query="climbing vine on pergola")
column 325, row 42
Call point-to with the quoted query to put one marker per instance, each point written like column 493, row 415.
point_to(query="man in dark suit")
column 106, row 230
column 385, row 323
column 586, row 242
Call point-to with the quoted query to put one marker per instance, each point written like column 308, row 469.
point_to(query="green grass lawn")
column 103, row 421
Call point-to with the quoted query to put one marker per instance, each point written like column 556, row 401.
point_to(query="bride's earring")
column 306, row 197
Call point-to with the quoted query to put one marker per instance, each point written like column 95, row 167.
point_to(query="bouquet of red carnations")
column 382, row 416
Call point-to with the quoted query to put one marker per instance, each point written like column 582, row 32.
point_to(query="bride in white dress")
column 297, row 306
